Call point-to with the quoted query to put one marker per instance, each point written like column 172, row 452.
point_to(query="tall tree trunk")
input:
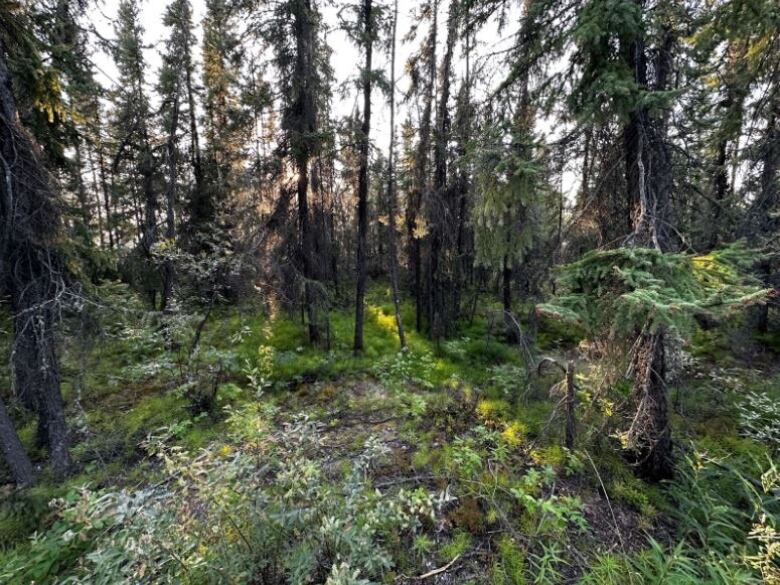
column 200, row 208
column 170, row 198
column 767, row 201
column 720, row 185
column 35, row 364
column 391, row 194
column 32, row 271
column 439, row 207
column 103, row 182
column 648, row 178
column 420, row 188
column 506, row 297
column 464, row 116
column 81, row 193
column 304, row 234
column 149, row 232
column 726, row 133
column 365, row 130
column 306, row 125
column 648, row 175
column 96, row 192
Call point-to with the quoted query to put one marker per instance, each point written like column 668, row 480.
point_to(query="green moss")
column 625, row 487
column 509, row 564
column 153, row 412
column 493, row 412
column 459, row 544
column 552, row 455
column 633, row 494
column 534, row 416
column 421, row 457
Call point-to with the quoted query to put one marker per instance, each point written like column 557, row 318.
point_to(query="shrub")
column 260, row 509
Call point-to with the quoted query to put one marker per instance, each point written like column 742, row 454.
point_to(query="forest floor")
column 258, row 459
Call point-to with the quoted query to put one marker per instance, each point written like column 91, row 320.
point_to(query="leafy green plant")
column 217, row 509
column 759, row 418
column 459, row 544
column 546, row 564
column 551, row 514
column 510, row 380
column 407, row 367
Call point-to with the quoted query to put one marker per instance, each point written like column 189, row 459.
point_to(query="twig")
column 435, row 572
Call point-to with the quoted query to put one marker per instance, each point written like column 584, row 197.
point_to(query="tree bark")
column 391, row 194
column 648, row 178
column 200, row 208
column 420, row 187
column 32, row 271
column 103, row 182
column 439, row 205
column 570, row 399
column 15, row 455
column 506, row 298
column 170, row 198
column 365, row 130
column 650, row 435
column 304, row 126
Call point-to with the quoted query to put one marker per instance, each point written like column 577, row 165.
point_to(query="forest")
column 355, row 292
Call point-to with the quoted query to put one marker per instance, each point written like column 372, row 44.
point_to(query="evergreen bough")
column 618, row 292
column 635, row 295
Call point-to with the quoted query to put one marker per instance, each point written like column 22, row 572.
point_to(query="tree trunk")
column 304, row 121
column 506, row 298
column 420, row 188
column 200, row 208
column 391, row 194
column 81, row 193
column 648, row 178
column 570, row 399
column 170, row 197
column 766, row 203
column 439, row 206
column 103, row 182
column 650, row 435
column 32, row 270
column 307, row 254
column 363, row 180
column 98, row 205
column 36, row 368
column 464, row 116
column 15, row 455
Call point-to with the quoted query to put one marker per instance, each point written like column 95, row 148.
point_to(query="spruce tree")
column 134, row 163
column 293, row 31
column 32, row 272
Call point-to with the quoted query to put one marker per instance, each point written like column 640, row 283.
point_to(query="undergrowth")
column 254, row 457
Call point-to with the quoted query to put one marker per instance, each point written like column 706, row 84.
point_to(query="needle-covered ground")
column 258, row 459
